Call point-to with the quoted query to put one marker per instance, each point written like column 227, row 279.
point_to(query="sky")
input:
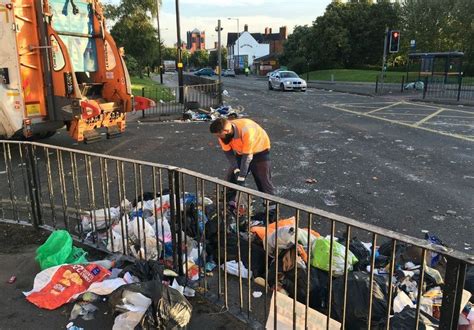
column 257, row 14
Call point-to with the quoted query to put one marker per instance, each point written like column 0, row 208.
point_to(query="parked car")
column 205, row 72
column 228, row 73
column 286, row 80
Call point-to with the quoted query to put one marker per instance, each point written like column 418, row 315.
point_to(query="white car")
column 228, row 73
column 271, row 73
column 286, row 81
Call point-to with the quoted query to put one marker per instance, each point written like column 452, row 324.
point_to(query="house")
column 269, row 62
column 195, row 40
column 245, row 47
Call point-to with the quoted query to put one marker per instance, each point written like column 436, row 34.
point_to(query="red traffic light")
column 394, row 41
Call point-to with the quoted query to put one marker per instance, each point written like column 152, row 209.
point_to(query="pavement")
column 17, row 252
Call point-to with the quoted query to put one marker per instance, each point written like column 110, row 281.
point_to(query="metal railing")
column 456, row 87
column 195, row 96
column 86, row 193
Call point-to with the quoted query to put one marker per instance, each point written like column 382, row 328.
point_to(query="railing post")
column 33, row 185
column 425, row 87
column 143, row 95
column 452, row 293
column 175, row 220
column 459, row 87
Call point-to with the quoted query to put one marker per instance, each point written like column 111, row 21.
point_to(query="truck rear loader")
column 60, row 66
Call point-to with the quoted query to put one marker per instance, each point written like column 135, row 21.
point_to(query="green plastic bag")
column 58, row 250
column 320, row 256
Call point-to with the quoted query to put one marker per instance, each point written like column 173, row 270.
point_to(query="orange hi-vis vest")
column 249, row 138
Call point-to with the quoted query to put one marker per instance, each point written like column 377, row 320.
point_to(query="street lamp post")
column 160, row 57
column 219, row 59
column 238, row 48
column 180, row 60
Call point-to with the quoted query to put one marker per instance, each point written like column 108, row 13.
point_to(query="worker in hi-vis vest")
column 247, row 148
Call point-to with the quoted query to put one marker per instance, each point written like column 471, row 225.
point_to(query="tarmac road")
column 385, row 161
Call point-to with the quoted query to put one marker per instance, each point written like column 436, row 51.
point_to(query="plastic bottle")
column 108, row 264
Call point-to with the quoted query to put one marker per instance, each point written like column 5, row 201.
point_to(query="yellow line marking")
column 365, row 103
column 461, row 111
column 448, row 116
column 450, row 124
column 402, row 114
column 429, row 117
column 458, row 136
column 422, row 105
column 386, row 107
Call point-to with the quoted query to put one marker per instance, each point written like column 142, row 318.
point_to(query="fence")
column 194, row 96
column 389, row 84
column 457, row 88
column 451, row 87
column 181, row 212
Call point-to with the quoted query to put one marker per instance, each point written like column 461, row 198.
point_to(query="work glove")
column 241, row 181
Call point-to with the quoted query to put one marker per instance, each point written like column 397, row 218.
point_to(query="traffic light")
column 394, row 41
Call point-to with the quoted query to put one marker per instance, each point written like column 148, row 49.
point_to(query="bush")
column 132, row 66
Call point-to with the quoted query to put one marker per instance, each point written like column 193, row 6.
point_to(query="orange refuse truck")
column 60, row 66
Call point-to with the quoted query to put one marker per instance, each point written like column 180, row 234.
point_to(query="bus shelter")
column 447, row 64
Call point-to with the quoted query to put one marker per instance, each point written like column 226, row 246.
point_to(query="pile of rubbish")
column 416, row 85
column 138, row 292
column 225, row 111
column 151, row 288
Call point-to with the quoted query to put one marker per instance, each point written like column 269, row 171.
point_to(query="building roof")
column 268, row 57
column 195, row 31
column 261, row 38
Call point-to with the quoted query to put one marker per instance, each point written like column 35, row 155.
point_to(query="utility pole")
column 384, row 59
column 180, row 60
column 160, row 59
column 219, row 58
column 238, row 48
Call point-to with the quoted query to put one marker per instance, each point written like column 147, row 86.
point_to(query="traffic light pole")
column 384, row 59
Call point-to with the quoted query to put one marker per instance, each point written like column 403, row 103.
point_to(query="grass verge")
column 153, row 90
column 353, row 75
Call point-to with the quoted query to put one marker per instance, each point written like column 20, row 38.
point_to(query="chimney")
column 266, row 31
column 269, row 30
column 216, row 44
column 283, row 32
column 246, row 28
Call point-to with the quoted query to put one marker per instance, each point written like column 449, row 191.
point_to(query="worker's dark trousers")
column 261, row 172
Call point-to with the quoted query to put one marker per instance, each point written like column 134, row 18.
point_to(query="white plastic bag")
column 232, row 267
column 284, row 236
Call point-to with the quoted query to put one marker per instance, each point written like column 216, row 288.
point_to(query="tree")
column 170, row 53
column 199, row 58
column 134, row 31
column 213, row 58
column 295, row 51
